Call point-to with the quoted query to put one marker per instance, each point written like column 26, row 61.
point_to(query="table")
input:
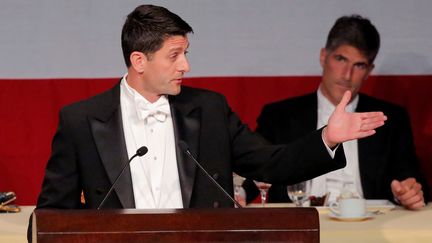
column 398, row 225
column 13, row 226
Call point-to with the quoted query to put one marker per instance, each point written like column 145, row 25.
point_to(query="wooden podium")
column 183, row 225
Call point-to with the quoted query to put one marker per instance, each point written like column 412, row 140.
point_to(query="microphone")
column 140, row 152
column 183, row 146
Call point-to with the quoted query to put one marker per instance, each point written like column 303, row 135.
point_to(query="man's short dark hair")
column 355, row 31
column 147, row 27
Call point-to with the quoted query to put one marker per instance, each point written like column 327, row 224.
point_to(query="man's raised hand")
column 344, row 126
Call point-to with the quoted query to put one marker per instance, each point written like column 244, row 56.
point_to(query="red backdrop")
column 29, row 115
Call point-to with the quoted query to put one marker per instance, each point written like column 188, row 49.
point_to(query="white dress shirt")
column 155, row 176
column 346, row 178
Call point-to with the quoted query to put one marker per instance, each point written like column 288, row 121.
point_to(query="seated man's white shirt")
column 348, row 177
column 155, row 176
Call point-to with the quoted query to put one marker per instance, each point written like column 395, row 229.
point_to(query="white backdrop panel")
column 81, row 38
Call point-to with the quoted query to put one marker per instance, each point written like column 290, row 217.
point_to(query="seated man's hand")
column 409, row 193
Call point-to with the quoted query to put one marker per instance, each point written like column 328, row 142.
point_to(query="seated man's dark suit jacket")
column 387, row 155
column 88, row 151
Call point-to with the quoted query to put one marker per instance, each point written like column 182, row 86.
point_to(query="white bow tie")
column 159, row 111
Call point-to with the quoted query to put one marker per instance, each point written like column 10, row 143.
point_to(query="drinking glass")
column 239, row 192
column 263, row 187
column 297, row 193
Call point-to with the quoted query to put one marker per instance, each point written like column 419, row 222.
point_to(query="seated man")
column 383, row 166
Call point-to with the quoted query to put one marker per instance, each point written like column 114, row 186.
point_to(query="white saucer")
column 350, row 219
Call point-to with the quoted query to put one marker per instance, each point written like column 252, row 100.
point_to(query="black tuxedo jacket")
column 88, row 151
column 387, row 155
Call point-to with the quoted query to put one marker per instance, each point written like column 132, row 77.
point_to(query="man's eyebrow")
column 340, row 55
column 175, row 49
column 357, row 63
column 362, row 63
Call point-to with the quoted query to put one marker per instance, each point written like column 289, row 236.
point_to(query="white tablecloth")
column 397, row 225
column 13, row 226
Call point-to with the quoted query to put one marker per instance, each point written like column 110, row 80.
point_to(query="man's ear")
column 323, row 54
column 138, row 61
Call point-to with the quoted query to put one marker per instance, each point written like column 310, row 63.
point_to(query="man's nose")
column 184, row 66
column 348, row 72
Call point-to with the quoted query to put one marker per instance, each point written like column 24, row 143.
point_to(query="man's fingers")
column 396, row 187
column 371, row 120
column 409, row 182
column 414, row 202
column 363, row 134
column 411, row 197
column 344, row 101
column 408, row 193
column 370, row 126
column 417, row 205
column 373, row 114
column 417, row 186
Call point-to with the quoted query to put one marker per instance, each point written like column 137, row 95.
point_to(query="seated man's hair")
column 355, row 31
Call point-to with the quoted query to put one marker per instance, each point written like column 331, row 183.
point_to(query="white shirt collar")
column 137, row 98
column 325, row 106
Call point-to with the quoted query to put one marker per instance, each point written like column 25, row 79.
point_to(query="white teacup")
column 349, row 207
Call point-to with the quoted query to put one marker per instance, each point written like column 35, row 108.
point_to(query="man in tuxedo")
column 148, row 107
column 383, row 166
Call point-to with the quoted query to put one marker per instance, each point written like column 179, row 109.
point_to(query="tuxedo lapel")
column 186, row 121
column 107, row 129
